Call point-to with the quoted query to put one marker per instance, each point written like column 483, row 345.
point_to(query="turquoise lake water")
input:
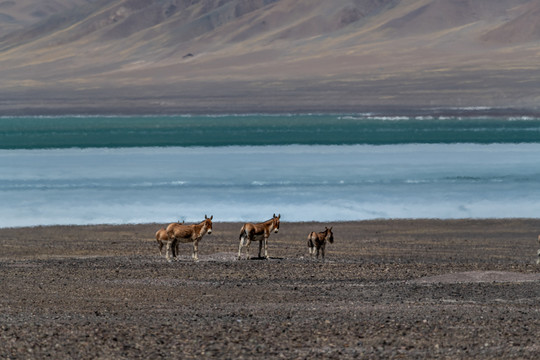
column 88, row 170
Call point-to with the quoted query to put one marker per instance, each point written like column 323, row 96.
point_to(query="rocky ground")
column 387, row 289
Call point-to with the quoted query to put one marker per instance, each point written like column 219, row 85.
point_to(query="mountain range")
column 170, row 56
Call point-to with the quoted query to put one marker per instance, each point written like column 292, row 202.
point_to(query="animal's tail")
column 310, row 240
column 242, row 231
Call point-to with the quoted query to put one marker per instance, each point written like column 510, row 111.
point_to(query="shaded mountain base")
column 480, row 89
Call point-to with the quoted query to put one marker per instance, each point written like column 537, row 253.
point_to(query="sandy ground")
column 387, row 289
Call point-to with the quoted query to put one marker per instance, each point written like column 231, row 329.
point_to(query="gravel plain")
column 387, row 289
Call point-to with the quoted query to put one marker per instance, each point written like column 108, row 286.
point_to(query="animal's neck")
column 270, row 224
column 201, row 228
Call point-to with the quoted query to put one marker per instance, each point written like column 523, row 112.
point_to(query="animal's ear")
column 331, row 228
column 206, row 217
column 279, row 216
column 211, row 217
column 274, row 215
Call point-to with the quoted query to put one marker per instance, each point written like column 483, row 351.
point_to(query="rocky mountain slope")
column 293, row 55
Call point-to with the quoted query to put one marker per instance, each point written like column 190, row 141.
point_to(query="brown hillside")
column 186, row 55
column 520, row 29
column 440, row 15
column 19, row 14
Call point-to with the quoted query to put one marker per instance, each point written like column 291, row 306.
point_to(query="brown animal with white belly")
column 317, row 241
column 180, row 233
column 261, row 232
column 162, row 238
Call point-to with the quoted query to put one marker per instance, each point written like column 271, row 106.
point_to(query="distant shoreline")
column 378, row 222
column 172, row 111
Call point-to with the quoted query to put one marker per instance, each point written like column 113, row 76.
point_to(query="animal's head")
column 275, row 222
column 208, row 223
column 330, row 234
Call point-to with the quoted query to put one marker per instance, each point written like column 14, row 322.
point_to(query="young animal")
column 318, row 241
column 261, row 232
column 180, row 233
column 162, row 238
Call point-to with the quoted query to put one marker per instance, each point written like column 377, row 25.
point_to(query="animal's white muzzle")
column 209, row 232
column 276, row 231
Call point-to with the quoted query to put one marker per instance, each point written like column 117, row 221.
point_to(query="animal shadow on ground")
column 263, row 258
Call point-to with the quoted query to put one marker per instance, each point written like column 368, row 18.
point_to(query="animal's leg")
column 322, row 250
column 196, row 250
column 266, row 247
column 260, row 247
column 168, row 251
column 174, row 249
column 318, row 247
column 242, row 239
column 311, row 249
column 248, row 243
column 160, row 244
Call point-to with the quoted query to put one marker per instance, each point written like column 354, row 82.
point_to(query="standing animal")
column 538, row 252
column 261, row 232
column 318, row 241
column 180, row 233
column 162, row 238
